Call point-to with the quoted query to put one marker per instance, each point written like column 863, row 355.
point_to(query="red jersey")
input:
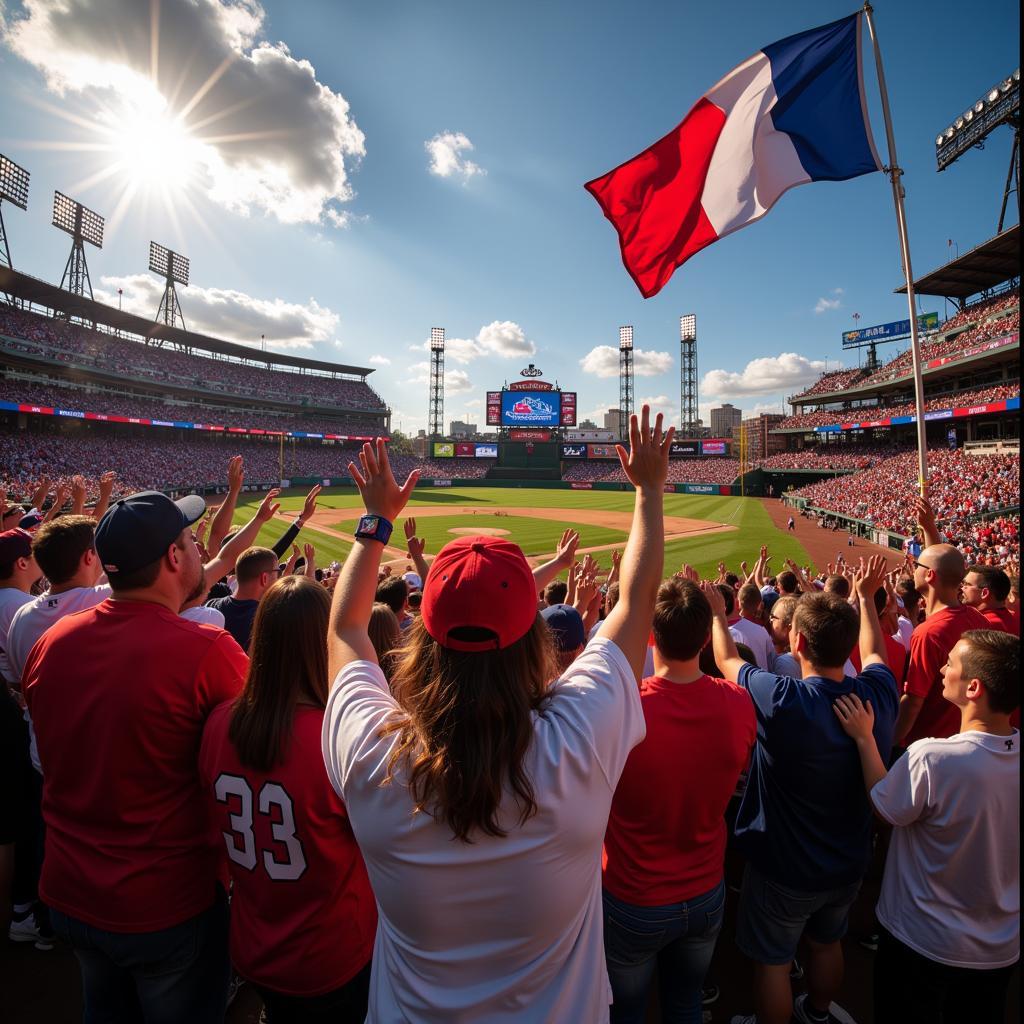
column 119, row 695
column 895, row 658
column 1003, row 619
column 930, row 644
column 303, row 915
column 666, row 834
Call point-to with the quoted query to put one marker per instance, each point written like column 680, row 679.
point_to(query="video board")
column 531, row 408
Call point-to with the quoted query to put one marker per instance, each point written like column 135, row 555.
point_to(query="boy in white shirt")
column 949, row 905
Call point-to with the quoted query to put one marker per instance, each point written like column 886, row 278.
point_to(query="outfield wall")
column 548, row 485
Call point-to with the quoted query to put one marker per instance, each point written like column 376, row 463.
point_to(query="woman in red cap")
column 479, row 793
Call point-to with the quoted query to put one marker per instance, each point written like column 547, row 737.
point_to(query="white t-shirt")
column 500, row 929
column 904, row 630
column 32, row 621
column 204, row 613
column 951, row 885
column 757, row 639
column 11, row 599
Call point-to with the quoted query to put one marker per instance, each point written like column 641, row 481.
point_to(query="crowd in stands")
column 833, row 456
column 462, row 825
column 69, row 343
column 985, row 309
column 50, row 395
column 836, row 380
column 691, row 471
column 862, row 413
column 961, row 486
column 443, row 469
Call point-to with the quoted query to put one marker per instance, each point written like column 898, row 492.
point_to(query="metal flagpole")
column 895, row 172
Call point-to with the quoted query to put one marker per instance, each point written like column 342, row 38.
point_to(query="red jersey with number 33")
column 303, row 915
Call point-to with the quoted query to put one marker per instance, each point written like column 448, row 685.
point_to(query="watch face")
column 369, row 524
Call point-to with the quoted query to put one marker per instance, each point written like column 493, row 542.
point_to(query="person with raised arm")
column 480, row 782
column 804, row 822
column 949, row 904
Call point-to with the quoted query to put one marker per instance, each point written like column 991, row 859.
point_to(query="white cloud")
column 603, row 361
column 379, row 360
column 269, row 135
column 823, row 305
column 781, row 373
column 227, row 313
column 500, row 339
column 446, row 159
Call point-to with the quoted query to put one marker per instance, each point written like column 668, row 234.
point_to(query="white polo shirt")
column 500, row 929
column 758, row 639
column 951, row 889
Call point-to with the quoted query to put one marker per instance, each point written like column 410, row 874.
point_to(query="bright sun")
column 153, row 150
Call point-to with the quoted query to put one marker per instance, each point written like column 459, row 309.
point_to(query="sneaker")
column 836, row 1014
column 796, row 972
column 709, row 995
column 25, row 929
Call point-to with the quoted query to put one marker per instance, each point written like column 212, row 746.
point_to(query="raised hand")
column 415, row 545
column 743, row 568
column 309, row 506
column 856, row 718
column 236, row 473
column 41, row 492
column 869, row 577
column 566, row 550
column 613, row 573
column 377, row 486
column 310, row 554
column 646, row 462
column 714, row 595
column 269, row 506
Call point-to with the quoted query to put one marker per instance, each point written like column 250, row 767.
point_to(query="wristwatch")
column 374, row 528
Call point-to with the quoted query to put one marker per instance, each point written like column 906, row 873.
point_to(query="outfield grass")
column 534, row 536
column 538, row 536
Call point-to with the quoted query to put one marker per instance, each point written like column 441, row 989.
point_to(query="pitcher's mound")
column 479, row 531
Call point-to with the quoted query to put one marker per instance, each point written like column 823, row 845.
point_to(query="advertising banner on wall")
column 444, row 450
column 568, row 408
column 465, row 449
column 581, row 486
column 601, row 451
column 494, row 408
column 573, row 451
column 529, row 435
column 713, row 447
column 700, row 488
column 684, row 450
column 889, row 332
column 486, row 451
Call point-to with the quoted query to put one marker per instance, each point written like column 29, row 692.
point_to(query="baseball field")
column 699, row 530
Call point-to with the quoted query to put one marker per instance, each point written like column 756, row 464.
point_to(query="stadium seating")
column 70, row 343
column 695, row 471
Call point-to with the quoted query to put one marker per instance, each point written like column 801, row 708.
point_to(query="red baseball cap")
column 482, row 583
column 15, row 544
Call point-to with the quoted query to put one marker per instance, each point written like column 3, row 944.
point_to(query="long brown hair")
column 385, row 634
column 287, row 663
column 468, row 726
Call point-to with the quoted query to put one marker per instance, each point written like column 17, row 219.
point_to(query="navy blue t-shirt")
column 238, row 617
column 805, row 818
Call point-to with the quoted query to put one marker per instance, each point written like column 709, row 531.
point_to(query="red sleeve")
column 221, row 674
column 926, row 658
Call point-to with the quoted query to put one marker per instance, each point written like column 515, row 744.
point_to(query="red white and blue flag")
column 794, row 112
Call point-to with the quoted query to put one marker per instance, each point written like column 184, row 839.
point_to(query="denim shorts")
column 773, row 917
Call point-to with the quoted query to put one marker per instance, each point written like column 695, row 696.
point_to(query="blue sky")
column 368, row 171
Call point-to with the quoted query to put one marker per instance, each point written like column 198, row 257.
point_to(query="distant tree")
column 401, row 444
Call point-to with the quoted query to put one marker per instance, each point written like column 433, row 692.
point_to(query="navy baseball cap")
column 137, row 530
column 567, row 626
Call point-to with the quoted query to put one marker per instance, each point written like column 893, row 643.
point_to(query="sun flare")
column 153, row 150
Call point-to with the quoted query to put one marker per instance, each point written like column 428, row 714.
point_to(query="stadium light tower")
column 13, row 188
column 435, row 414
column 1000, row 105
column 688, row 375
column 625, row 379
column 173, row 268
column 83, row 225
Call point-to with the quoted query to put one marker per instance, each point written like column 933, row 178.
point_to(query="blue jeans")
column 678, row 939
column 166, row 977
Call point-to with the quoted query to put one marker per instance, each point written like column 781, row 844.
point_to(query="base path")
column 823, row 544
column 676, row 527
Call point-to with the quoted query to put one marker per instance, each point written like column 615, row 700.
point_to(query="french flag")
column 794, row 112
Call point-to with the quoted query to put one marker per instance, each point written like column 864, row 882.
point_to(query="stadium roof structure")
column 983, row 267
column 41, row 293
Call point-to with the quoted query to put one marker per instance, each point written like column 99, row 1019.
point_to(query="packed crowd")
column 835, row 380
column 961, row 487
column 54, row 396
column 863, row 413
column 833, row 456
column 429, row 797
column 680, row 471
column 985, row 309
column 70, row 343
